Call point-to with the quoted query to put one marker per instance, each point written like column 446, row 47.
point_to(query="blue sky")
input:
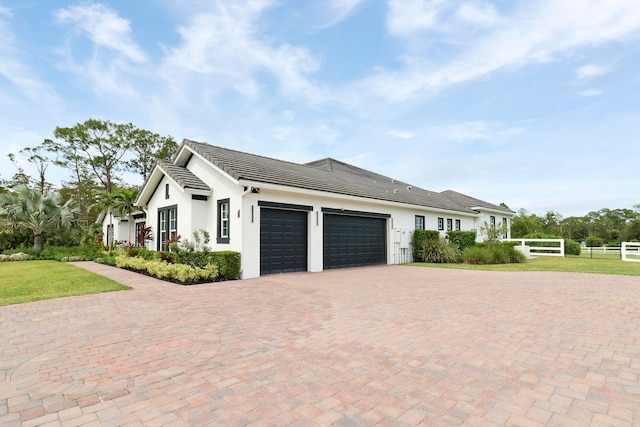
column 530, row 103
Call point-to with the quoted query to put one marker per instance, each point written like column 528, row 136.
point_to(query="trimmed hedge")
column 227, row 262
column 462, row 239
column 180, row 273
column 571, row 247
column 422, row 236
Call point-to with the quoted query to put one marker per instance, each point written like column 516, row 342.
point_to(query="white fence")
column 542, row 250
column 631, row 251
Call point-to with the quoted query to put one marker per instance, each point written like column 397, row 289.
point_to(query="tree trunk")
column 37, row 243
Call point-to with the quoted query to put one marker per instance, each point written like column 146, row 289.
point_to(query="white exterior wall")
column 400, row 225
column 484, row 217
column 176, row 197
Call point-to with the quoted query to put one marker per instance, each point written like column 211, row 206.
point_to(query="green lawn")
column 26, row 281
column 569, row 264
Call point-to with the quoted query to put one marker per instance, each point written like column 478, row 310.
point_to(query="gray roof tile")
column 328, row 175
column 183, row 176
column 472, row 202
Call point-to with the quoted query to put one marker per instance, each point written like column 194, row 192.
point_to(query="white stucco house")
column 284, row 217
column 116, row 228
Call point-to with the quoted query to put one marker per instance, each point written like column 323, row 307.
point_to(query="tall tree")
column 101, row 145
column 28, row 209
column 148, row 147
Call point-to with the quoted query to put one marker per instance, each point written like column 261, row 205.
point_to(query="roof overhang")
column 326, row 195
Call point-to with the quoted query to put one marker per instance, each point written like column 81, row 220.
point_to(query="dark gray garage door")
column 283, row 241
column 353, row 241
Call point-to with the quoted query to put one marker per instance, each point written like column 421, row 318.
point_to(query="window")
column 457, row 225
column 167, row 226
column 440, row 224
column 419, row 222
column 449, row 224
column 166, row 191
column 504, row 227
column 223, row 221
column 492, row 221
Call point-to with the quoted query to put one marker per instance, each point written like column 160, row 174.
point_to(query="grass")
column 569, row 264
column 27, row 281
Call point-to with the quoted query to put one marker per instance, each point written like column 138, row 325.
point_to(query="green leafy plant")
column 421, row 236
column 462, row 239
column 438, row 252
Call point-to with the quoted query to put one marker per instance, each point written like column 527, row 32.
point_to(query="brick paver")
column 388, row 345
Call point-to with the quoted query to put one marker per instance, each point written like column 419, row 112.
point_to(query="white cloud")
column 104, row 27
column 339, row 10
column 476, row 131
column 537, row 32
column 408, row 16
column 592, row 70
column 401, row 134
column 225, row 42
column 14, row 69
column 590, row 92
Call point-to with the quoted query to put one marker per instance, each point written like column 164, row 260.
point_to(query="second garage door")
column 353, row 241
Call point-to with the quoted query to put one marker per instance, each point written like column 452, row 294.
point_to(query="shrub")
column 180, row 273
column 421, row 236
column 438, row 252
column 593, row 241
column 571, row 247
column 502, row 253
column 462, row 239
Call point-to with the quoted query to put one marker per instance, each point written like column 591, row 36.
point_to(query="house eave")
column 340, row 196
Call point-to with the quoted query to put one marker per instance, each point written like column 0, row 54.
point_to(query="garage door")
column 283, row 240
column 354, row 240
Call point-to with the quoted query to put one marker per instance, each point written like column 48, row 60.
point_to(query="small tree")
column 492, row 233
column 28, row 209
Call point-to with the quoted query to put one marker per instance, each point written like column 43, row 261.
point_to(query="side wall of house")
column 399, row 233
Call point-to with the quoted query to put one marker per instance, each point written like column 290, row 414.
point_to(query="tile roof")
column 327, row 175
column 183, row 176
column 472, row 202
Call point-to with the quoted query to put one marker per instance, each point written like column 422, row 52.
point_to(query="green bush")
column 438, row 252
column 421, row 236
column 501, row 253
column 593, row 241
column 62, row 253
column 180, row 273
column 571, row 247
column 227, row 262
column 462, row 239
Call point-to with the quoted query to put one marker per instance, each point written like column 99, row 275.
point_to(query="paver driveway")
column 387, row 345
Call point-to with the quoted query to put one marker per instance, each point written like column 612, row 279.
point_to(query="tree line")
column 605, row 226
column 94, row 153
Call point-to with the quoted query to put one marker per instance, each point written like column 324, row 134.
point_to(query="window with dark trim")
column 504, row 225
column 419, row 222
column 440, row 224
column 167, row 226
column 492, row 221
column 458, row 225
column 223, row 221
column 449, row 224
column 166, row 191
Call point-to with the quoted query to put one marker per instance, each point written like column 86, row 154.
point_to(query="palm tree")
column 28, row 209
column 125, row 203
